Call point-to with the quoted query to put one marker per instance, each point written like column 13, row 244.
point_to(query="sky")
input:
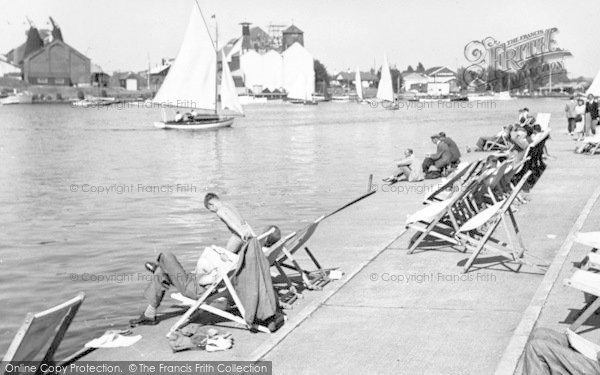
column 127, row 34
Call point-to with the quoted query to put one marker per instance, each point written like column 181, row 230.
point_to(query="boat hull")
column 210, row 124
column 17, row 99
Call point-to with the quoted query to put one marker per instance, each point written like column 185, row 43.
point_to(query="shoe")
column 143, row 320
column 151, row 266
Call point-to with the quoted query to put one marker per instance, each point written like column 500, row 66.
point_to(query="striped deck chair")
column 442, row 219
column 463, row 173
column 40, row 335
column 590, row 145
column 477, row 233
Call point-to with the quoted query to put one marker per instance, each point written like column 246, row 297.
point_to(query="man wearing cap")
column 524, row 118
column 441, row 158
column 454, row 151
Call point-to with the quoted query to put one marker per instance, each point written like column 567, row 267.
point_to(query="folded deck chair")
column 588, row 283
column 590, row 145
column 463, row 173
column 224, row 278
column 40, row 335
column 477, row 233
column 442, row 219
column 281, row 256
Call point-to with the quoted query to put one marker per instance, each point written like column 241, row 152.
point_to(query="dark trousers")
column 427, row 162
column 171, row 272
column 548, row 352
column 571, row 124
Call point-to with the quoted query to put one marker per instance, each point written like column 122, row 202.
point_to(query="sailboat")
column 358, row 85
column 192, row 81
column 385, row 91
column 595, row 86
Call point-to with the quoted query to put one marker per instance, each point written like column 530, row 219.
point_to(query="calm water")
column 283, row 164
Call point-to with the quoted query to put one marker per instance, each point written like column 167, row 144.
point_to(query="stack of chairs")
column 466, row 211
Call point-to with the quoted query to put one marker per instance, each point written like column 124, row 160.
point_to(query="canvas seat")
column 40, row 335
column 477, row 233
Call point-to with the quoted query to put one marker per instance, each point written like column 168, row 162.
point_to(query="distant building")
column 45, row 59
column 9, row 70
column 440, row 74
column 292, row 35
column 415, row 82
column 57, row 64
column 344, row 78
column 128, row 80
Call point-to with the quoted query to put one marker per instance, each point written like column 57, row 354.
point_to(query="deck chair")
column 543, row 120
column 498, row 143
column 592, row 259
column 588, row 283
column 463, row 173
column 477, row 232
column 224, row 278
column 590, row 146
column 442, row 219
column 40, row 335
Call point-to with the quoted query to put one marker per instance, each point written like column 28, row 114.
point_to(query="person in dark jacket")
column 454, row 151
column 441, row 158
column 168, row 272
column 591, row 115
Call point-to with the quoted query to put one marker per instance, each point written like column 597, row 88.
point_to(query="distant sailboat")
column 358, row 84
column 192, row 81
column 595, row 86
column 385, row 91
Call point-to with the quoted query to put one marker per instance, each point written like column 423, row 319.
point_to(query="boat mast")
column 217, row 63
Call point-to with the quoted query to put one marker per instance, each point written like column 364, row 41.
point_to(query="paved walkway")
column 412, row 314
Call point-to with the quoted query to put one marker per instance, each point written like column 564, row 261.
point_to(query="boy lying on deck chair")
column 169, row 272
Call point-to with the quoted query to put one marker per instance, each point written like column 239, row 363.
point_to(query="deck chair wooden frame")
column 498, row 214
column 223, row 277
column 443, row 219
column 61, row 316
column 498, row 143
column 462, row 174
column 588, row 283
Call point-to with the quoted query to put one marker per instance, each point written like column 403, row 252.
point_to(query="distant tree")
column 321, row 76
column 410, row 69
column 396, row 79
column 420, row 68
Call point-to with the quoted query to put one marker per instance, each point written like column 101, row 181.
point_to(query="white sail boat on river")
column 192, row 82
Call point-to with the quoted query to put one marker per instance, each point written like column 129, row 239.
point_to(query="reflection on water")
column 282, row 164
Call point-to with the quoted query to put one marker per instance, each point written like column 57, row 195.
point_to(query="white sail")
column 385, row 90
column 229, row 98
column 595, row 86
column 191, row 80
column 298, row 72
column 358, row 84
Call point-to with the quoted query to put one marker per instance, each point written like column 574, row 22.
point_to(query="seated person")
column 499, row 138
column 441, row 159
column 549, row 352
column 525, row 118
column 409, row 168
column 193, row 114
column 454, row 151
column 178, row 117
column 188, row 117
column 518, row 137
column 240, row 229
column 169, row 272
